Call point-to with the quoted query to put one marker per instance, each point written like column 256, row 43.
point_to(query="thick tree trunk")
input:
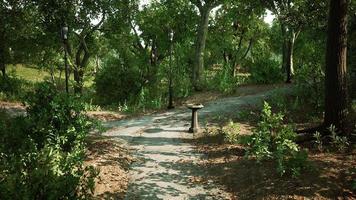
column 289, row 58
column 198, row 67
column 336, row 89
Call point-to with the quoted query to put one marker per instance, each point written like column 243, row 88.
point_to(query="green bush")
column 223, row 81
column 272, row 140
column 116, row 83
column 310, row 85
column 42, row 154
column 11, row 87
column 265, row 70
column 231, row 132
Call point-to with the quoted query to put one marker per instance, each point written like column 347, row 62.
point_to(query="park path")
column 167, row 166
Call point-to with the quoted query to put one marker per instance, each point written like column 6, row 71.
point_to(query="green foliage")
column 318, row 141
column 310, row 86
column 12, row 87
column 118, row 82
column 272, row 140
column 42, row 153
column 224, row 81
column 231, row 132
column 265, row 70
column 338, row 142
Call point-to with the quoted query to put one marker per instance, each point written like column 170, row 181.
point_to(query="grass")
column 35, row 75
column 29, row 73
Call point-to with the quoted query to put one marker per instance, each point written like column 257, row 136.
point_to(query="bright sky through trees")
column 268, row 18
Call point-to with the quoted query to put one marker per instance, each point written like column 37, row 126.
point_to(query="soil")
column 330, row 177
column 112, row 158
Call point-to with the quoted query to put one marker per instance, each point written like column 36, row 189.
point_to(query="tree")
column 204, row 7
column 336, row 93
column 293, row 16
column 79, row 16
column 236, row 27
column 15, row 31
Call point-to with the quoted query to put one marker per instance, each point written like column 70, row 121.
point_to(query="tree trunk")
column 78, row 78
column 2, row 60
column 336, row 89
column 81, row 64
column 198, row 67
column 289, row 37
column 2, row 50
column 289, row 58
column 284, row 47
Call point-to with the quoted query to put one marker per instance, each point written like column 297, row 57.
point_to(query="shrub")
column 338, row 142
column 265, row 70
column 224, row 81
column 310, row 85
column 42, row 153
column 231, row 132
column 116, row 83
column 272, row 140
column 11, row 87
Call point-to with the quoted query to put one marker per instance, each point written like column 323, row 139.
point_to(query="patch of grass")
column 35, row 75
column 31, row 74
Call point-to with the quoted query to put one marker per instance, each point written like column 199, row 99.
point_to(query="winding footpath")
column 167, row 166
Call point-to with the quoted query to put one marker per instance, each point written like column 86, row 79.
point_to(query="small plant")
column 272, row 140
column 318, row 140
column 231, row 132
column 338, row 142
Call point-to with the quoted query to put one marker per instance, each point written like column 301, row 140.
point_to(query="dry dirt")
column 112, row 158
column 330, row 175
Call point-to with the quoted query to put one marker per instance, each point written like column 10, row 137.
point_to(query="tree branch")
column 137, row 36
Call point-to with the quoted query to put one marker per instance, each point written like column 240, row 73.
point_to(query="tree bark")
column 289, row 67
column 2, row 60
column 284, row 47
column 2, row 49
column 81, row 64
column 336, row 89
column 289, row 37
column 198, row 66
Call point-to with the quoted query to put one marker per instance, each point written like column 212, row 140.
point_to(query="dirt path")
column 168, row 165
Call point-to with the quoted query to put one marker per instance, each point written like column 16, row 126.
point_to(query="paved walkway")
column 167, row 166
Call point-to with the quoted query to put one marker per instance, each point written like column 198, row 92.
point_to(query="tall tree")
column 79, row 16
column 237, row 26
column 290, row 29
column 15, row 30
column 204, row 7
column 293, row 16
column 336, row 93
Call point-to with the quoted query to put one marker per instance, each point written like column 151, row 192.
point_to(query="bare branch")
column 137, row 36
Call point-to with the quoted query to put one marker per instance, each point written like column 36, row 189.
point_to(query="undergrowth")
column 272, row 140
column 42, row 153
